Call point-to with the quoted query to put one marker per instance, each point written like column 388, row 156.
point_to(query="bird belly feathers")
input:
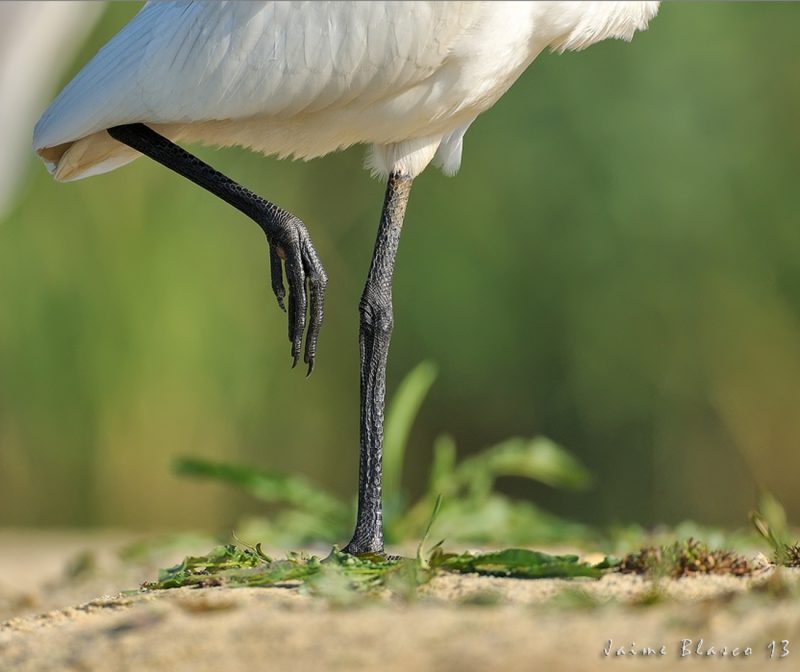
column 306, row 79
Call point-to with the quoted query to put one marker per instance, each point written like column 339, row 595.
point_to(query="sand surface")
column 66, row 612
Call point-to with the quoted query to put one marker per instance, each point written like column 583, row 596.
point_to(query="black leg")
column 374, row 336
column 289, row 243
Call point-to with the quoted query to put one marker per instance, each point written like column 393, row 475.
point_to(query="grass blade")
column 421, row 548
column 266, row 486
column 399, row 419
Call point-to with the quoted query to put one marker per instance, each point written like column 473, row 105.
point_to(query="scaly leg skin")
column 374, row 336
column 290, row 247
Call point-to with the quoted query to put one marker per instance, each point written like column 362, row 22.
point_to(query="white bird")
column 304, row 79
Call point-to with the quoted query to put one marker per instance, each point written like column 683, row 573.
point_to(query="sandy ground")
column 59, row 622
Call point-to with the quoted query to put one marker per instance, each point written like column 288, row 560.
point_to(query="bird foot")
column 377, row 556
column 292, row 252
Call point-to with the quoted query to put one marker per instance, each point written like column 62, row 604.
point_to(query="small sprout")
column 770, row 522
column 776, row 534
column 422, row 559
column 645, row 561
column 791, row 556
column 684, row 558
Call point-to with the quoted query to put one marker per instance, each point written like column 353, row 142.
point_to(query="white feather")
column 304, row 79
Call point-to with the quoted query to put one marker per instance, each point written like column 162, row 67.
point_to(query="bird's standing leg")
column 289, row 243
column 374, row 336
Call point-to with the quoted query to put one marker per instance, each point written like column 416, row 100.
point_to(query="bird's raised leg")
column 290, row 247
column 374, row 336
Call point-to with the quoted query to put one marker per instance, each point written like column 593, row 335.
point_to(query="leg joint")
column 376, row 315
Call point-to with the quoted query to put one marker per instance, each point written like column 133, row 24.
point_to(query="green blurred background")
column 616, row 266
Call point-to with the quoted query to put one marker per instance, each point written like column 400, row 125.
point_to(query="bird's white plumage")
column 307, row 78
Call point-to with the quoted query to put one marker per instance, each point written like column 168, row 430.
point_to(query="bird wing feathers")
column 185, row 62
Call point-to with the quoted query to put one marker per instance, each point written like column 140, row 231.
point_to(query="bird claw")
column 292, row 253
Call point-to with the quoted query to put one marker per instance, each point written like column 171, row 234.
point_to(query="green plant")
column 343, row 578
column 472, row 509
column 769, row 521
column 684, row 558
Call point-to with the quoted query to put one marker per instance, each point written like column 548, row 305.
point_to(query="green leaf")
column 473, row 511
column 442, row 480
column 267, row 486
column 516, row 562
column 399, row 418
column 196, row 569
column 770, row 522
column 608, row 562
column 538, row 459
column 234, row 565
column 340, row 575
column 500, row 520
